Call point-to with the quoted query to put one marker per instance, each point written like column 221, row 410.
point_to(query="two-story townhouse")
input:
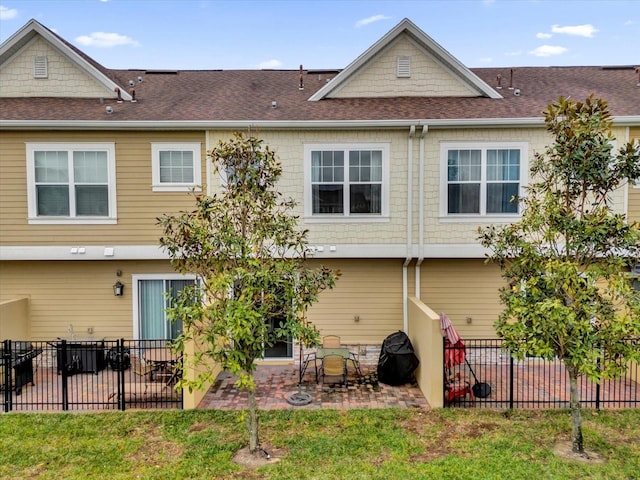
column 394, row 161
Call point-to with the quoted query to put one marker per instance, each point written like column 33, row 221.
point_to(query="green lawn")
column 328, row 444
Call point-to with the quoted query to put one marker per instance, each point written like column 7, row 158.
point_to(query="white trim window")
column 176, row 167
column 71, row 183
column 347, row 180
column 482, row 179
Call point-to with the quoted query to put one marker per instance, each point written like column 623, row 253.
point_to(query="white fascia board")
column 205, row 124
column 287, row 124
column 268, row 125
column 316, row 250
column 83, row 252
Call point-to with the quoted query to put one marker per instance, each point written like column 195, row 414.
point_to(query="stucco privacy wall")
column 138, row 206
column 426, row 339
column 64, row 79
column 377, row 78
column 289, row 148
column 14, row 319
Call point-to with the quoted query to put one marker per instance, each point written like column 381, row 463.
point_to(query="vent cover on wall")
column 40, row 67
column 404, row 67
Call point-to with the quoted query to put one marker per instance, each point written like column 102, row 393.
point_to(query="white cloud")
column 7, row 13
column 629, row 22
column 270, row 64
column 105, row 40
column 586, row 30
column 486, row 60
column 368, row 20
column 515, row 53
column 548, row 51
column 543, row 35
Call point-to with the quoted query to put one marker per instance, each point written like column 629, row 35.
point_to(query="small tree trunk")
column 252, row 422
column 577, row 442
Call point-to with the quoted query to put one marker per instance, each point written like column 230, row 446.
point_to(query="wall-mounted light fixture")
column 118, row 289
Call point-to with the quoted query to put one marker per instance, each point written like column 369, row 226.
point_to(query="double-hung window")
column 482, row 179
column 71, row 183
column 176, row 167
column 347, row 181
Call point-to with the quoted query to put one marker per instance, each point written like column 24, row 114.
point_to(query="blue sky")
column 247, row 34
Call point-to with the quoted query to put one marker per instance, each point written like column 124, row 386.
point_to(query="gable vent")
column 404, row 67
column 40, row 67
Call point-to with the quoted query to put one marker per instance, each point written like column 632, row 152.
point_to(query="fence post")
column 121, row 368
column 63, row 367
column 598, row 387
column 510, row 381
column 6, row 375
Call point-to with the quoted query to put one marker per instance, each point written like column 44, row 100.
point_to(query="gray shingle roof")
column 247, row 95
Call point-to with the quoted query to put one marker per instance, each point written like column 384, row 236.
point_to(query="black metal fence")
column 485, row 369
column 88, row 375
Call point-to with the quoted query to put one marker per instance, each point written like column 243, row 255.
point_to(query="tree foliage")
column 249, row 254
column 567, row 260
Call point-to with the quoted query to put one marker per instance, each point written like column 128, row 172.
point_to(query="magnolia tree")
column 254, row 288
column 567, row 260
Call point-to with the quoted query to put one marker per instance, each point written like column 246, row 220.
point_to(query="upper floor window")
column 482, row 179
column 176, row 167
column 71, row 182
column 347, row 180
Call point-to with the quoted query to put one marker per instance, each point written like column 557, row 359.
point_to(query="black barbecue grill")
column 20, row 360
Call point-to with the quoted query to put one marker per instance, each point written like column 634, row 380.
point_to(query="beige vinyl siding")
column 461, row 289
column 371, row 289
column 289, row 149
column 138, row 206
column 76, row 293
column 378, row 77
column 64, row 79
column 634, row 192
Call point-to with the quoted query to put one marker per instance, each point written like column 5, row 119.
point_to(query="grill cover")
column 397, row 360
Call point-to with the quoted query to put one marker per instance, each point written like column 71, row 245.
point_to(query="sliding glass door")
column 154, row 295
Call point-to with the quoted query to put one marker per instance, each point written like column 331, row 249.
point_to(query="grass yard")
column 319, row 444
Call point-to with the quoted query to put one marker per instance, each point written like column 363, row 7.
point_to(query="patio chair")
column 455, row 388
column 334, row 366
column 141, row 368
column 309, row 360
column 333, row 341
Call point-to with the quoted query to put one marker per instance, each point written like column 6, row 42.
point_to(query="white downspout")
column 405, row 265
column 425, row 129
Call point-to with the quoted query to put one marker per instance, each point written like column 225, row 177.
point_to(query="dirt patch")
column 198, row 427
column 563, row 449
column 264, row 456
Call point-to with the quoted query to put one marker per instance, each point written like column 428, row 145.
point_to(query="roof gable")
column 434, row 71
column 69, row 73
